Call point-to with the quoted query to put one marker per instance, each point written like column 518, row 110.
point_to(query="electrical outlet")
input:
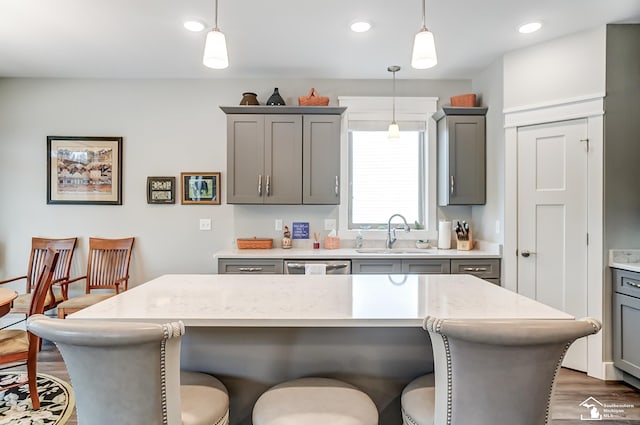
column 205, row 224
column 329, row 224
column 279, row 224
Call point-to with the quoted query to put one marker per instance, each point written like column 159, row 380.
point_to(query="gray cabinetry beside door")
column 626, row 316
column 461, row 156
column 283, row 157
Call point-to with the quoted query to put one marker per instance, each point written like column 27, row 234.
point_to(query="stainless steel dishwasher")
column 332, row 266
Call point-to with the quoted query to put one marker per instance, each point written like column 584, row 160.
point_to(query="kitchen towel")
column 315, row 268
column 444, row 235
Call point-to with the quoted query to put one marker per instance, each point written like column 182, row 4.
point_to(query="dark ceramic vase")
column 275, row 99
column 249, row 98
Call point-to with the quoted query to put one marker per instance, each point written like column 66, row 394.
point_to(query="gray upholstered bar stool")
column 491, row 372
column 314, row 401
column 128, row 373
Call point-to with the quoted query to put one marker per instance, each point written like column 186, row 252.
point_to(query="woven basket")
column 254, row 243
column 313, row 99
column 464, row 100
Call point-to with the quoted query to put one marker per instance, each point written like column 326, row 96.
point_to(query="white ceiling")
column 278, row 38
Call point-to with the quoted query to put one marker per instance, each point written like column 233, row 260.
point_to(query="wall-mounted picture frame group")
column 161, row 190
column 84, row 170
column 200, row 188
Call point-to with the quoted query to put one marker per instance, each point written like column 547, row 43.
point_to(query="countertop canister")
column 444, row 235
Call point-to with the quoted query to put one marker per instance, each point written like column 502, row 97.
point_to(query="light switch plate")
column 279, row 224
column 329, row 224
column 205, row 224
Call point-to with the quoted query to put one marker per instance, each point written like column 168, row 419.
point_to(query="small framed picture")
column 161, row 190
column 200, row 188
column 84, row 170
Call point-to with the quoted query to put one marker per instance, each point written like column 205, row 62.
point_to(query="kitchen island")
column 253, row 332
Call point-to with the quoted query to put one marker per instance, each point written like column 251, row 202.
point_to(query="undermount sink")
column 394, row 251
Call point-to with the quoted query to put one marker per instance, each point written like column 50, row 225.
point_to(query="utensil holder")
column 465, row 244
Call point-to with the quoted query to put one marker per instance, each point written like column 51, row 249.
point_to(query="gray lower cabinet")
column 404, row 266
column 626, row 332
column 283, row 158
column 487, row 269
column 461, row 156
column 250, row 266
column 371, row 266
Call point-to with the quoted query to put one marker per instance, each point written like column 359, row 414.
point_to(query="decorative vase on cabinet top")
column 249, row 98
column 276, row 99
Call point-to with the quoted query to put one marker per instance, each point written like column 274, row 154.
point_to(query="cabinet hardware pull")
column 337, row 189
column 268, row 184
column 453, row 183
column 475, row 269
column 635, row 285
column 260, row 185
column 250, row 269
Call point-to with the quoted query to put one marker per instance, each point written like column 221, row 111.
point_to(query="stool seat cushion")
column 312, row 401
column 13, row 341
column 418, row 401
column 23, row 302
column 204, row 399
column 84, row 301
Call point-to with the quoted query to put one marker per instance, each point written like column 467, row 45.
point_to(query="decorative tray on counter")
column 254, row 243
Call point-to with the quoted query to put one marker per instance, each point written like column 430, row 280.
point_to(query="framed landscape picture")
column 84, row 170
column 200, row 188
column 161, row 190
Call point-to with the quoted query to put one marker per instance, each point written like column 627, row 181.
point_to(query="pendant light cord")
column 215, row 24
column 424, row 15
column 394, row 97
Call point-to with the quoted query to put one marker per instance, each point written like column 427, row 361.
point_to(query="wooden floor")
column 572, row 389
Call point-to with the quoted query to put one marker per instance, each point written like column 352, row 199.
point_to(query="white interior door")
column 552, row 220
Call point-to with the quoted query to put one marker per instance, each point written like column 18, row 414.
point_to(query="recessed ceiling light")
column 195, row 26
column 360, row 26
column 530, row 27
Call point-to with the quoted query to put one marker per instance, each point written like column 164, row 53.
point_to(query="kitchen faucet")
column 391, row 240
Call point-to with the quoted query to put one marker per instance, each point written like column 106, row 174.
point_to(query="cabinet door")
column 381, row 266
column 283, row 159
column 425, row 266
column 462, row 160
column 321, row 159
column 249, row 266
column 626, row 333
column 245, row 159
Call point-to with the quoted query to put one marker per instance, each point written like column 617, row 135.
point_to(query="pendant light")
column 215, row 47
column 424, row 46
column 394, row 129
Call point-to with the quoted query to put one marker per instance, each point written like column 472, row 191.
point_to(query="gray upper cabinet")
column 461, row 156
column 321, row 159
column 263, row 159
column 282, row 157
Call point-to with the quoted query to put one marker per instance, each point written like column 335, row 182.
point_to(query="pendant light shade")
column 394, row 128
column 424, row 46
column 215, row 47
column 215, row 50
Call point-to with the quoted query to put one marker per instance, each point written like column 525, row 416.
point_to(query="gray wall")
column 622, row 138
column 169, row 126
column 489, row 218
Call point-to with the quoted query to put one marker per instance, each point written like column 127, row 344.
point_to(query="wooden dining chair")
column 18, row 345
column 107, row 269
column 39, row 246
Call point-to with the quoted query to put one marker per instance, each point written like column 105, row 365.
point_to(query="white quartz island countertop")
column 311, row 301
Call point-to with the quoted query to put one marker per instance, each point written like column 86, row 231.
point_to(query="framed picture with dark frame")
column 200, row 188
column 84, row 170
column 161, row 190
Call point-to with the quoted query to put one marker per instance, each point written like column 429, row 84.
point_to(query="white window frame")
column 369, row 108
